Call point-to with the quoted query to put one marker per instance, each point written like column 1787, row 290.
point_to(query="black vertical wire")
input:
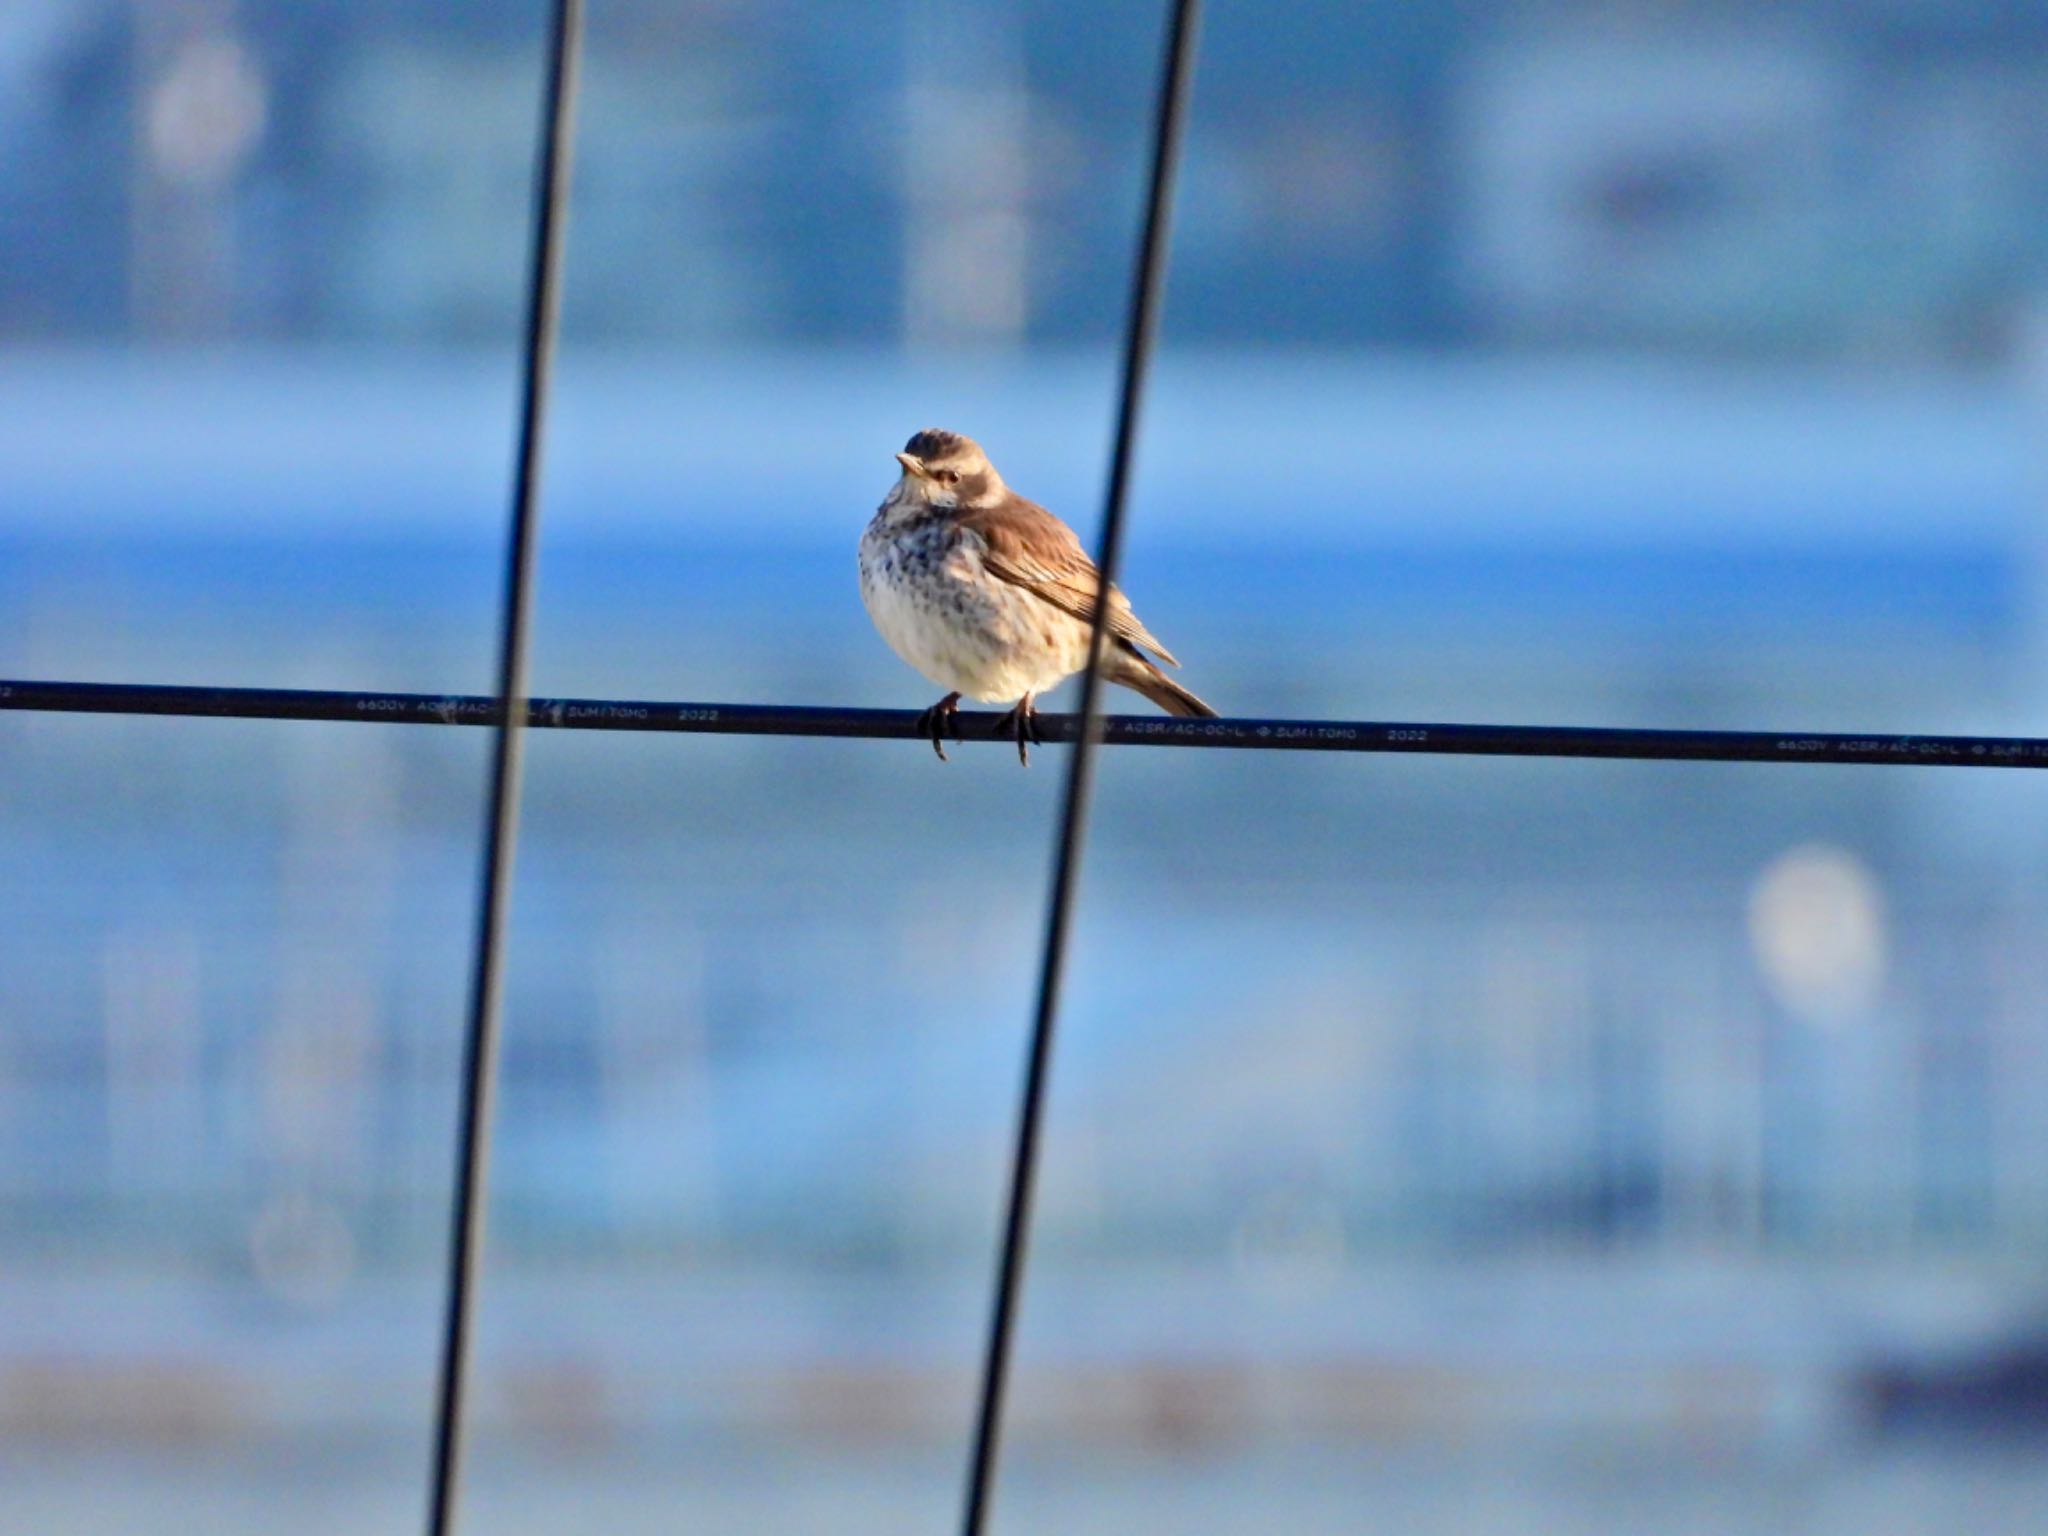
column 480, row 1042
column 1169, row 121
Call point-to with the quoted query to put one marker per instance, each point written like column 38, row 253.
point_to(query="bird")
column 991, row 596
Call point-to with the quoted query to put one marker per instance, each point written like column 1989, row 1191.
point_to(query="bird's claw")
column 1021, row 725
column 934, row 721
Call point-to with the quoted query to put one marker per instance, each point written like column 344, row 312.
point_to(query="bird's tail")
column 1135, row 672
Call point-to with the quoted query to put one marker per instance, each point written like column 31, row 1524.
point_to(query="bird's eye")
column 949, row 476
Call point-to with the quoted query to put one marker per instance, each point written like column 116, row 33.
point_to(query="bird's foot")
column 1021, row 725
column 935, row 722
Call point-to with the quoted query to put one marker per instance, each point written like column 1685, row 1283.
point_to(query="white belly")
column 967, row 631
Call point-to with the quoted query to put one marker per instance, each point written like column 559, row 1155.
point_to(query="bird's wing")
column 1028, row 547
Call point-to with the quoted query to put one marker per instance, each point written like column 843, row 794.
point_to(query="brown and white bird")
column 990, row 595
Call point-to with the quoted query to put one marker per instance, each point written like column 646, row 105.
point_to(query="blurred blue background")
column 1520, row 1146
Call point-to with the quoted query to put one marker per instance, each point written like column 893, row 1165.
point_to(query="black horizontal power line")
column 1117, row 730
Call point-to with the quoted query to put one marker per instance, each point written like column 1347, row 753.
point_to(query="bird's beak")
column 912, row 465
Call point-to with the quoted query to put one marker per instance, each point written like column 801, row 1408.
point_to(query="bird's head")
column 945, row 469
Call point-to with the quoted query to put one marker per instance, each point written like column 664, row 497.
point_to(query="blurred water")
column 1543, row 1146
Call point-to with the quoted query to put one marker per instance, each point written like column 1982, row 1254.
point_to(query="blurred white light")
column 207, row 111
column 1816, row 921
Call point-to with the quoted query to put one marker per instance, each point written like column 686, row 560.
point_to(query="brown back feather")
column 1030, row 548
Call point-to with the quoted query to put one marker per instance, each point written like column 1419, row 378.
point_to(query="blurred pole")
column 2020, row 1079
column 480, row 1045
column 966, row 167
column 200, row 104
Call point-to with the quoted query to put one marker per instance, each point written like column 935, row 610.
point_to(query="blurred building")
column 1803, row 187
column 1835, row 182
